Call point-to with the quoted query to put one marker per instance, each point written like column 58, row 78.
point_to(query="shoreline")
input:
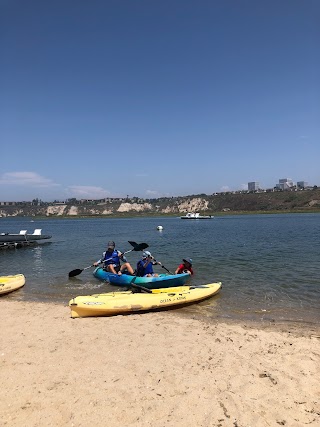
column 153, row 369
column 132, row 215
column 194, row 311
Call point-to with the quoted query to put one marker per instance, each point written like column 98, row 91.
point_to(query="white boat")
column 196, row 215
column 23, row 236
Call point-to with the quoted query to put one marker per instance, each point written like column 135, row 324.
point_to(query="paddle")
column 166, row 269
column 136, row 247
column 142, row 288
column 162, row 266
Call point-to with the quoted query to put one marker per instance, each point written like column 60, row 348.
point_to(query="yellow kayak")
column 11, row 283
column 113, row 303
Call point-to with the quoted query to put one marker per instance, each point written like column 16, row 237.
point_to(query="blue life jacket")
column 112, row 257
column 142, row 271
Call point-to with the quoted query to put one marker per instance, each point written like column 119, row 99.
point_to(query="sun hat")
column 146, row 254
column 188, row 260
column 111, row 244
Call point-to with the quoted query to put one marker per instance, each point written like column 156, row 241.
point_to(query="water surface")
column 269, row 265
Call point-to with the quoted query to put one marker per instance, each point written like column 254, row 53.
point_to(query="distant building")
column 302, row 184
column 285, row 184
column 7, row 203
column 253, row 186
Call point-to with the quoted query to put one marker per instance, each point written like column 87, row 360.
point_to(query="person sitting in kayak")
column 111, row 261
column 145, row 265
column 185, row 267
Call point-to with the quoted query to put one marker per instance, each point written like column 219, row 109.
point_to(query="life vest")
column 142, row 271
column 112, row 257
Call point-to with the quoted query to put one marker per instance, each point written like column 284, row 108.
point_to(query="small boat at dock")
column 23, row 236
column 10, row 240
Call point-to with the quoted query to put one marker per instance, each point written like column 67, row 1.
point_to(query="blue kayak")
column 162, row 281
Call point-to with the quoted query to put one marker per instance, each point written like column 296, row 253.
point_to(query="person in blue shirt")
column 145, row 265
column 111, row 261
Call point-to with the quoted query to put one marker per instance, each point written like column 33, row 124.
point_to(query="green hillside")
column 217, row 204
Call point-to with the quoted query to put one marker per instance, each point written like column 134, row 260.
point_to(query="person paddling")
column 145, row 265
column 111, row 260
column 185, row 267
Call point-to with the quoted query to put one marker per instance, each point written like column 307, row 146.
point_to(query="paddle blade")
column 134, row 244
column 141, row 247
column 75, row 272
column 138, row 246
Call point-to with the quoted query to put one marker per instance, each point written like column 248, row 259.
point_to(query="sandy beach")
column 153, row 369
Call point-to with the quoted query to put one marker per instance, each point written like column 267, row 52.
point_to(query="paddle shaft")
column 143, row 288
column 166, row 269
column 163, row 266
column 101, row 262
column 109, row 259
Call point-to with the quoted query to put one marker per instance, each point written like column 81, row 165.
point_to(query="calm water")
column 269, row 265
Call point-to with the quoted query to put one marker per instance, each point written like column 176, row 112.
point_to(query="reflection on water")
column 38, row 261
column 268, row 264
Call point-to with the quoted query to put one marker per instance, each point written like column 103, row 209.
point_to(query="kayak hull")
column 162, row 281
column 11, row 283
column 113, row 303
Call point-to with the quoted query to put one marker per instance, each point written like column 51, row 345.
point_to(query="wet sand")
column 153, row 369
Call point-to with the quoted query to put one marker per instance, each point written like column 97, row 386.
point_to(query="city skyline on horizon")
column 307, row 185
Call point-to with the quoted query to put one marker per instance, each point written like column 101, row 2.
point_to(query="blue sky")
column 157, row 98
